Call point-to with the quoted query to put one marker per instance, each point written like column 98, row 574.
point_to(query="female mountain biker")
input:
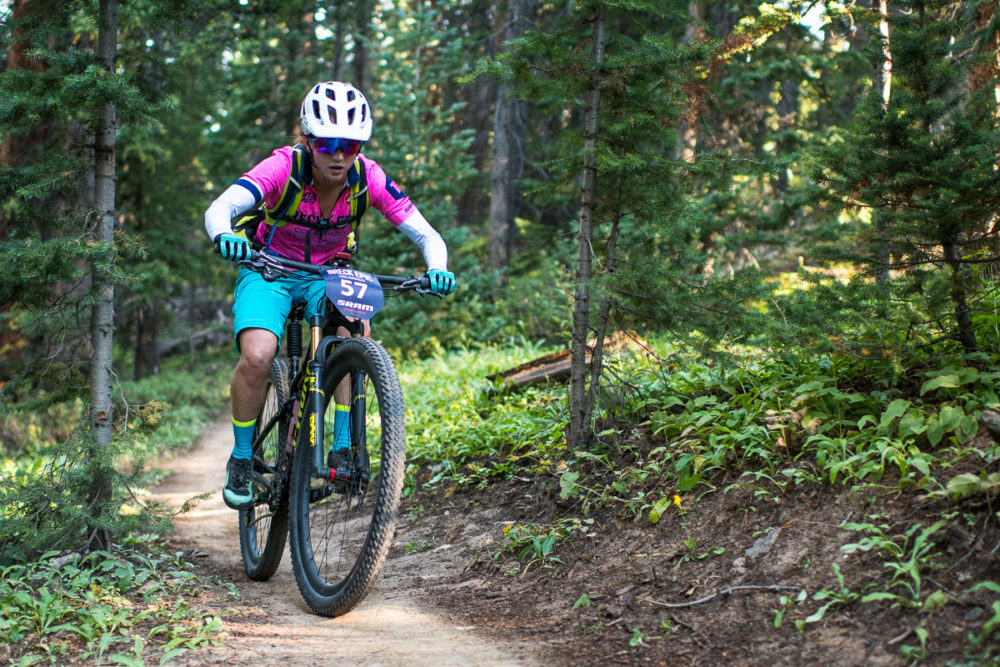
column 335, row 121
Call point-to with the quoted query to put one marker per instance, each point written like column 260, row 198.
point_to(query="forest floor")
column 703, row 586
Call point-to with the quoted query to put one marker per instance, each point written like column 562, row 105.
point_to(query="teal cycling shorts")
column 260, row 304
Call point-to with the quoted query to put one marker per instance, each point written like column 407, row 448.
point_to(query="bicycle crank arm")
column 332, row 474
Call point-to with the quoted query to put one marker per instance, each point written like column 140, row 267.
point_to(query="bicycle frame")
column 333, row 570
column 305, row 391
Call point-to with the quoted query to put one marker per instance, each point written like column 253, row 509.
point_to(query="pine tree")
column 61, row 249
column 924, row 165
column 626, row 67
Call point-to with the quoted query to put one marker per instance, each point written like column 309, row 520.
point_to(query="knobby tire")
column 264, row 526
column 340, row 536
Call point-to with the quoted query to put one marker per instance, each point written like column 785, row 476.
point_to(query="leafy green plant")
column 909, row 555
column 122, row 606
column 966, row 485
column 45, row 489
column 692, row 552
column 829, row 598
column 530, row 541
column 916, row 653
column 465, row 431
column 984, row 645
column 418, row 544
column 787, row 602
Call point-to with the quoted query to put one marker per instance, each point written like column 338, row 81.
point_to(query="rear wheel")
column 341, row 530
column 264, row 525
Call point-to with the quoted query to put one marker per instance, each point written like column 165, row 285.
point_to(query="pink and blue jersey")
column 309, row 236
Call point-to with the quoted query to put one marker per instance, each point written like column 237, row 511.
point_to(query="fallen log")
column 198, row 339
column 555, row 367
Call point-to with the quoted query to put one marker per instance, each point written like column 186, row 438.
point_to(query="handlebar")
column 274, row 266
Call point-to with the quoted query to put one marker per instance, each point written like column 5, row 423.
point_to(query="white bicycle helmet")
column 336, row 110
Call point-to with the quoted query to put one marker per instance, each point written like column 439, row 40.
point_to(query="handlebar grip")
column 425, row 282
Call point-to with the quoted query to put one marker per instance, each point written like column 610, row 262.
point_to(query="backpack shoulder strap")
column 291, row 195
column 360, row 200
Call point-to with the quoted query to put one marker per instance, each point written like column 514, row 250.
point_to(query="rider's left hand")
column 442, row 282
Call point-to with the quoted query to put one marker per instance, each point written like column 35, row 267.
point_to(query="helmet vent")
column 336, row 109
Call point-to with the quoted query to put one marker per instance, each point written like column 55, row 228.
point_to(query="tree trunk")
column 500, row 180
column 604, row 318
column 695, row 30
column 480, row 94
column 987, row 73
column 361, row 42
column 147, row 334
column 20, row 150
column 579, row 410
column 883, row 82
column 101, row 409
column 339, row 33
column 965, row 331
column 508, row 150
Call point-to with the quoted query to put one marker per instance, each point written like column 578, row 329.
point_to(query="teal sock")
column 342, row 427
column 243, row 437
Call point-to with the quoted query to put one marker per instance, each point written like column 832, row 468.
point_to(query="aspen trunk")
column 579, row 410
column 102, row 325
column 883, row 80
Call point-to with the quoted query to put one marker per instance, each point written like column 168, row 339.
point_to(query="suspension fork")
column 313, row 396
column 359, row 408
column 312, row 389
column 358, row 416
column 294, row 349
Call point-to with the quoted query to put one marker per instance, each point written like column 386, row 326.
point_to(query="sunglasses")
column 350, row 147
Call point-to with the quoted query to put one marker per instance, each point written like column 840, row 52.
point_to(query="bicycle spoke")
column 340, row 541
column 264, row 525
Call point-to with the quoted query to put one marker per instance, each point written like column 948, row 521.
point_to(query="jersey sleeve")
column 237, row 198
column 267, row 179
column 387, row 197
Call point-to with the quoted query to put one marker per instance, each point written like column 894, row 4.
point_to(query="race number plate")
column 354, row 293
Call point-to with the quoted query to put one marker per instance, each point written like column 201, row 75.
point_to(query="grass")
column 138, row 603
column 671, row 426
column 462, row 431
column 133, row 606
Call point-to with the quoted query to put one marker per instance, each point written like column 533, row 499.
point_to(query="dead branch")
column 724, row 591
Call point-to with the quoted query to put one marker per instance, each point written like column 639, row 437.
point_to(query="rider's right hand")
column 232, row 247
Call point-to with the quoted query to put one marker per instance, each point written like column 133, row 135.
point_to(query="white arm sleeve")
column 418, row 230
column 232, row 202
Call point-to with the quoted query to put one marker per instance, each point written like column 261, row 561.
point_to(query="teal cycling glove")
column 232, row 247
column 442, row 282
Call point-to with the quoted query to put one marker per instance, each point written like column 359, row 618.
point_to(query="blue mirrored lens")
column 331, row 146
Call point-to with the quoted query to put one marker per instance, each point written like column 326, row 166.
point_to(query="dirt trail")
column 397, row 624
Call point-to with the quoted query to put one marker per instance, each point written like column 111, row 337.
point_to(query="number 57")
column 348, row 287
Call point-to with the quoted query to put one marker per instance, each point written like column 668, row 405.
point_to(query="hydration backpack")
column 283, row 212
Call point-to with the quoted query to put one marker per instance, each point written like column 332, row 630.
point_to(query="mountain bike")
column 337, row 511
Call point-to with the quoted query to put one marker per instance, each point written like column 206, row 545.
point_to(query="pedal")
column 322, row 492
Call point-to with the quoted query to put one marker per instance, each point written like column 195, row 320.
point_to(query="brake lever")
column 413, row 284
column 268, row 269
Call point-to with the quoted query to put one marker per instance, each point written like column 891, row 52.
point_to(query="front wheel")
column 264, row 525
column 341, row 531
